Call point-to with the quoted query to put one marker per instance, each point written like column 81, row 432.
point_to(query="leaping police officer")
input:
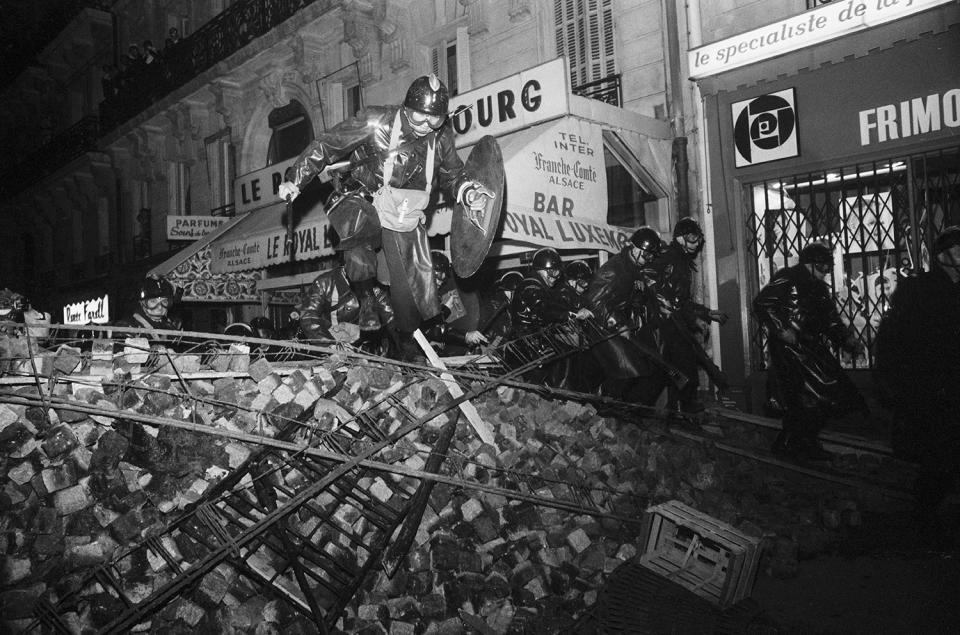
column 396, row 156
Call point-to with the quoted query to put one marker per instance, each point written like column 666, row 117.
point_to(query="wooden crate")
column 703, row 554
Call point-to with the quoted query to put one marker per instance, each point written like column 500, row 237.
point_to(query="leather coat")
column 365, row 139
column 536, row 305
column 918, row 343
column 807, row 374
column 673, row 272
column 331, row 297
column 616, row 296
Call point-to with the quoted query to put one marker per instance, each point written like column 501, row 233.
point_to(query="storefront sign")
column 532, row 96
column 765, row 128
column 824, row 23
column 313, row 238
column 192, row 227
column 557, row 188
column 96, row 311
column 258, row 189
column 910, row 117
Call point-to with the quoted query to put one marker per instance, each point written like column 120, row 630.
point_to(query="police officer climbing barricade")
column 541, row 317
column 455, row 330
column 496, row 317
column 918, row 371
column 331, row 312
column 682, row 321
column 576, row 279
column 393, row 157
column 152, row 313
column 800, row 319
column 620, row 295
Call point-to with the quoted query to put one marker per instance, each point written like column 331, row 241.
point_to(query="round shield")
column 472, row 229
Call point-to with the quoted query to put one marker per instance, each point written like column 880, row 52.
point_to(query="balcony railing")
column 63, row 147
column 229, row 210
column 224, row 35
column 606, row 89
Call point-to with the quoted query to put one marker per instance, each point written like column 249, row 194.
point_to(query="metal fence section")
column 880, row 218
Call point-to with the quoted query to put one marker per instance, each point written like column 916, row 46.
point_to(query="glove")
column 583, row 314
column 788, row 336
column 719, row 317
column 475, row 337
column 288, row 191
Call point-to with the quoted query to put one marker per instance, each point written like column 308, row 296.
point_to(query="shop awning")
column 259, row 242
column 557, row 188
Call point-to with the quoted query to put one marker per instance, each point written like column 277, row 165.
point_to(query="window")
column 880, row 219
column 220, row 172
column 443, row 59
column 178, row 191
column 352, row 100
column 634, row 196
column 584, row 32
column 291, row 132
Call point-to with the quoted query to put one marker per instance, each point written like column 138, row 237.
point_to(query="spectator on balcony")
column 150, row 53
column 173, row 37
column 135, row 59
column 108, row 80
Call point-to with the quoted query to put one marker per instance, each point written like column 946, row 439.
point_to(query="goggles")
column 823, row 268
column 692, row 237
column 419, row 119
column 152, row 304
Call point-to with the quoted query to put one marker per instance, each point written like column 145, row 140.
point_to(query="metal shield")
column 472, row 233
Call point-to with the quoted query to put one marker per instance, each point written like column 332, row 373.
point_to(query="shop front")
column 856, row 143
column 580, row 174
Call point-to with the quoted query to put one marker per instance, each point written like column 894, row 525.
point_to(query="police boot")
column 368, row 319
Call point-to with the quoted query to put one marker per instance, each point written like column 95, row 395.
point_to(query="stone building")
column 115, row 167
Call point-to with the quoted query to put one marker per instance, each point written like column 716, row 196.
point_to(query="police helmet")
column 427, row 94
column 578, row 270
column 510, row 281
column 946, row 239
column 155, row 287
column 441, row 263
column 263, row 328
column 687, row 225
column 816, row 254
column 647, row 239
column 547, row 258
column 239, row 329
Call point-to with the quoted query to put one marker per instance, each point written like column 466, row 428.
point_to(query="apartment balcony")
column 215, row 41
column 606, row 89
column 64, row 147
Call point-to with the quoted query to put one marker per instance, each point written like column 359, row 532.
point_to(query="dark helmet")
column 154, row 287
column 239, row 329
column 647, row 239
column 441, row 264
column 816, row 254
column 510, row 281
column 946, row 239
column 427, row 94
column 546, row 258
column 263, row 328
column 578, row 270
column 687, row 225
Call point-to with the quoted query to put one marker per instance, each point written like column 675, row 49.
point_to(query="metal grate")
column 880, row 218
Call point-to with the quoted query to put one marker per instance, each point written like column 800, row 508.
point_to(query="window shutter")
column 584, row 33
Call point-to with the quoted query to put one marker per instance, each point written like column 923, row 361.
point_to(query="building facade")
column 834, row 122
column 144, row 161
